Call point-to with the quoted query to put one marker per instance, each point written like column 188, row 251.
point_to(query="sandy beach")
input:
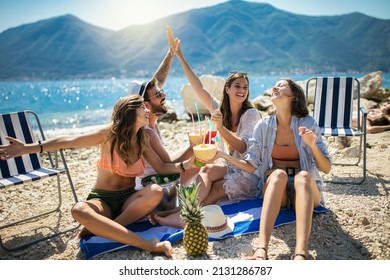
column 356, row 227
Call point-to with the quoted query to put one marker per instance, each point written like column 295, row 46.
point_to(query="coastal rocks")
column 365, row 103
column 370, row 84
column 262, row 103
column 213, row 84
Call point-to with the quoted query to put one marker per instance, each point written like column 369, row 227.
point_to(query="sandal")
column 260, row 257
column 293, row 256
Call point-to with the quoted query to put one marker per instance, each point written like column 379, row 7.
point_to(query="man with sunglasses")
column 154, row 98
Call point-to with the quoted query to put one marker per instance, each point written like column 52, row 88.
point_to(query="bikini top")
column 119, row 167
column 285, row 152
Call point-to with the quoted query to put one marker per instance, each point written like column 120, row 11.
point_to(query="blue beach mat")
column 245, row 215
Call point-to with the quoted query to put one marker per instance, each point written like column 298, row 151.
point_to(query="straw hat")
column 215, row 221
column 138, row 87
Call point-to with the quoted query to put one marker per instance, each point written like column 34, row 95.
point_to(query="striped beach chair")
column 29, row 168
column 333, row 111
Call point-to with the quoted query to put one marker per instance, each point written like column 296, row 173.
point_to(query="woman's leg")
column 96, row 205
column 187, row 177
column 92, row 215
column 307, row 196
column 208, row 174
column 173, row 220
column 275, row 197
column 216, row 193
column 140, row 204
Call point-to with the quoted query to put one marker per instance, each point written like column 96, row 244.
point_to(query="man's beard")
column 158, row 109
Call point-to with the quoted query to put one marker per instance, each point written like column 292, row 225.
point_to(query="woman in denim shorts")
column 286, row 154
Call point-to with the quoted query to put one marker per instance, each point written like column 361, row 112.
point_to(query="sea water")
column 76, row 105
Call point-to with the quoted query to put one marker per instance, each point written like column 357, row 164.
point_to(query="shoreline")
column 356, row 227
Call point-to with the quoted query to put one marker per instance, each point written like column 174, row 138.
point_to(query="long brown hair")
column 298, row 104
column 123, row 134
column 225, row 102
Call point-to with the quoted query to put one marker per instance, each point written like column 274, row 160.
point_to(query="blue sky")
column 117, row 14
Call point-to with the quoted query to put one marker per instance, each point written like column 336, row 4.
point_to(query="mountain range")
column 246, row 36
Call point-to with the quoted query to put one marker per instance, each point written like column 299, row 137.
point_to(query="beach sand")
column 356, row 227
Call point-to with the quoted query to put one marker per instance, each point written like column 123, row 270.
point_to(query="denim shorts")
column 290, row 191
column 113, row 199
column 289, row 187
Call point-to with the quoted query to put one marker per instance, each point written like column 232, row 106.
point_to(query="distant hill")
column 252, row 37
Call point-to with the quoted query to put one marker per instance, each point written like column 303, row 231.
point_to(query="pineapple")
column 195, row 237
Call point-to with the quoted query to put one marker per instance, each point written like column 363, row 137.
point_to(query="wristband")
column 182, row 167
column 40, row 145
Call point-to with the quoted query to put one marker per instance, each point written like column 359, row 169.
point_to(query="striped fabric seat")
column 333, row 111
column 28, row 176
column 29, row 168
column 25, row 168
column 333, row 106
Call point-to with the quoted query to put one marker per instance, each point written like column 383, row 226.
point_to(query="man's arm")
column 162, row 71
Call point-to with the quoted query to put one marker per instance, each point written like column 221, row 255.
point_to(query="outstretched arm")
column 17, row 148
column 162, row 71
column 204, row 96
column 242, row 164
column 163, row 154
column 167, row 168
column 376, row 129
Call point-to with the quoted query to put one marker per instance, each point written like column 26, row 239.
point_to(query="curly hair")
column 225, row 102
column 123, row 134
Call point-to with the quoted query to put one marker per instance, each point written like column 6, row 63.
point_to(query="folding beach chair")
column 333, row 110
column 29, row 169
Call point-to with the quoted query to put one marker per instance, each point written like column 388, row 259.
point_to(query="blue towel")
column 245, row 215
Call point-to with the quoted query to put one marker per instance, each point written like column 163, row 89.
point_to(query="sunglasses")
column 158, row 94
column 237, row 72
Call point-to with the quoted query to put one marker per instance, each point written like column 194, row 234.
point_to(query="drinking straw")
column 200, row 126
column 193, row 120
column 209, row 127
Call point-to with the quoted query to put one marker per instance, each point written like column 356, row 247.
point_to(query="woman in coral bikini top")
column 287, row 154
column 113, row 201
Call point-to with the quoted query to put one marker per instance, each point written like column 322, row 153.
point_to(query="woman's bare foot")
column 155, row 246
column 165, row 213
column 164, row 247
column 84, row 232
column 173, row 220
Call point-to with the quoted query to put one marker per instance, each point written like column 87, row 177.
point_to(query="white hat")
column 215, row 221
column 138, row 87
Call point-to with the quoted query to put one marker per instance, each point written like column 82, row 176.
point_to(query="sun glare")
column 120, row 14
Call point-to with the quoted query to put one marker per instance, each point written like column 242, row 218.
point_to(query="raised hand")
column 216, row 117
column 308, row 137
column 171, row 39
